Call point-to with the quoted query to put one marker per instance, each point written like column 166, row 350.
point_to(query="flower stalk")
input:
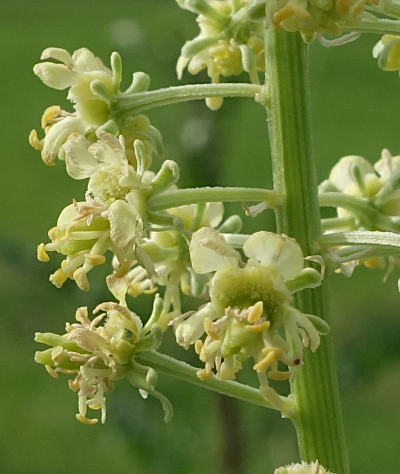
column 129, row 104
column 318, row 420
column 167, row 365
column 182, row 197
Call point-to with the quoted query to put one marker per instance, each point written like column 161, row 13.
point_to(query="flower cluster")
column 114, row 214
column 310, row 17
column 303, row 468
column 376, row 206
column 229, row 42
column 99, row 351
column 250, row 312
column 92, row 89
column 378, row 185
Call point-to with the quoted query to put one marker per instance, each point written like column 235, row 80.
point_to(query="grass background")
column 355, row 111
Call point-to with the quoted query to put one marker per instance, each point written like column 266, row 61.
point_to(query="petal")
column 57, row 76
column 60, row 54
column 57, row 136
column 209, row 251
column 269, row 248
column 122, row 219
column 79, row 162
column 341, row 175
column 67, row 216
column 84, row 60
column 384, row 166
column 213, row 214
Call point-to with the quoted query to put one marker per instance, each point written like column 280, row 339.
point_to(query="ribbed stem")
column 318, row 422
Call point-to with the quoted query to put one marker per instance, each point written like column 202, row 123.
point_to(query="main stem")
column 318, row 421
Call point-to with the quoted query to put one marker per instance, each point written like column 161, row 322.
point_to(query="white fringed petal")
column 85, row 61
column 273, row 249
column 59, row 54
column 58, row 134
column 123, row 223
column 80, row 163
column 341, row 175
column 209, row 251
column 57, row 76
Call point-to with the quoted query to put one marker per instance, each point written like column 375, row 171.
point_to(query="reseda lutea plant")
column 260, row 296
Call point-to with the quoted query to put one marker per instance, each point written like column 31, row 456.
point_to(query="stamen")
column 51, row 371
column 278, row 375
column 208, row 328
column 198, row 346
column 273, row 355
column 258, row 327
column 41, row 253
column 86, row 421
column 255, row 312
column 34, row 141
column 204, row 374
column 283, row 14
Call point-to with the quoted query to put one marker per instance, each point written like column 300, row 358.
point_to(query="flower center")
column 243, row 287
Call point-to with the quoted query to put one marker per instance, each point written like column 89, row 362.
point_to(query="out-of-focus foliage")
column 355, row 111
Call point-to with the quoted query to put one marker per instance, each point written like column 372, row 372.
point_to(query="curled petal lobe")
column 57, row 76
column 272, row 249
column 80, row 163
column 209, row 251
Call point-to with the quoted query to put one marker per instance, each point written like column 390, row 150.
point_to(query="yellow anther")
column 214, row 103
column 34, row 141
column 86, row 421
column 51, row 371
column 204, row 374
column 198, row 346
column 73, row 385
column 41, row 253
column 342, row 6
column 272, row 356
column 208, row 328
column 81, row 279
column 258, row 327
column 57, row 354
column 358, row 7
column 136, row 289
column 284, row 13
column 256, row 312
column 49, row 115
column 373, row 262
column 185, row 288
column 278, row 375
column 95, row 406
column 53, row 233
column 277, row 351
column 95, row 260
column 58, row 278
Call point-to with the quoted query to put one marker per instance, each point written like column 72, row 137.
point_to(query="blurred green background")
column 355, row 111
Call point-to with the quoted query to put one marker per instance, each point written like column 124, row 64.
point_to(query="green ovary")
column 243, row 287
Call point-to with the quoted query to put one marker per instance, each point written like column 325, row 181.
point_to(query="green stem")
column 180, row 197
column 381, row 27
column 381, row 239
column 182, row 371
column 140, row 101
column 318, row 420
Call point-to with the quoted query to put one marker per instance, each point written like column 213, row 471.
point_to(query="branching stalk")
column 182, row 371
column 318, row 421
column 138, row 102
column 181, row 197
